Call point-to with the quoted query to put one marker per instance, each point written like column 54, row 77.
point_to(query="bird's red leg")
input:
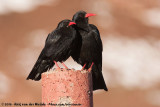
column 90, row 67
column 64, row 65
column 83, row 67
column 57, row 65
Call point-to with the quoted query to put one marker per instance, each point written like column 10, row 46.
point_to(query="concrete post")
column 67, row 87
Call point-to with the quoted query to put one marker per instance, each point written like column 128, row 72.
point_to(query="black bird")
column 59, row 46
column 89, row 55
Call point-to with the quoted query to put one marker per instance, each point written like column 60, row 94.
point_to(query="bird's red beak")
column 89, row 14
column 71, row 23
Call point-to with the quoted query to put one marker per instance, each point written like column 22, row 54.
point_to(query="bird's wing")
column 57, row 43
column 97, row 77
column 97, row 36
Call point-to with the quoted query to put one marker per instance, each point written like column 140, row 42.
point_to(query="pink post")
column 69, row 88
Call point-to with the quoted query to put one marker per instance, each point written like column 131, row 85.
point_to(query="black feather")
column 59, row 46
column 90, row 49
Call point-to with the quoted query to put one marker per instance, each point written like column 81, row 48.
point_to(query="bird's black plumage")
column 90, row 49
column 59, row 46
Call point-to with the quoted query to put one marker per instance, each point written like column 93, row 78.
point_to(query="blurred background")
column 130, row 31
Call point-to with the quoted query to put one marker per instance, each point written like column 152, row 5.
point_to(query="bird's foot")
column 64, row 65
column 90, row 67
column 57, row 65
column 83, row 67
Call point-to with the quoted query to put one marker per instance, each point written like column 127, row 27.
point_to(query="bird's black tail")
column 42, row 65
column 97, row 78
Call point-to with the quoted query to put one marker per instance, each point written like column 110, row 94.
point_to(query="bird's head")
column 81, row 17
column 65, row 23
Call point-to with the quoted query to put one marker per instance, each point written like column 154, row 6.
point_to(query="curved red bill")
column 89, row 14
column 71, row 23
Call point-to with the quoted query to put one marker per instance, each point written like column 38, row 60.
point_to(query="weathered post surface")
column 67, row 87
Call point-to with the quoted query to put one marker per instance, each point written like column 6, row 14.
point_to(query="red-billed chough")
column 59, row 46
column 89, row 53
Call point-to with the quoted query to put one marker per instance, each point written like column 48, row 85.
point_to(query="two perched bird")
column 78, row 39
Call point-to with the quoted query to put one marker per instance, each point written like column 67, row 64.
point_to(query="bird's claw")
column 57, row 65
column 89, row 70
column 64, row 65
column 83, row 67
